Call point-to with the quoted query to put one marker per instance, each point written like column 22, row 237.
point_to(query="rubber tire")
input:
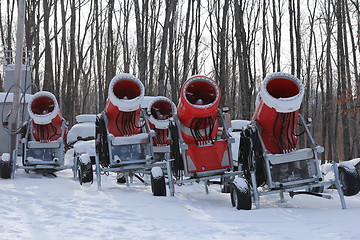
column 5, row 169
column 102, row 147
column 85, row 173
column 350, row 181
column 240, row 199
column 247, row 154
column 357, row 166
column 158, row 185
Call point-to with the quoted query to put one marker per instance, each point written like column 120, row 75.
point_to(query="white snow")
column 283, row 105
column 32, row 159
column 117, row 158
column 241, row 184
column 47, row 117
column 237, row 125
column 85, row 158
column 83, row 130
column 347, row 164
column 5, row 157
column 37, row 207
column 85, row 147
column 355, row 161
column 156, row 172
column 85, row 118
column 125, row 104
column 133, row 139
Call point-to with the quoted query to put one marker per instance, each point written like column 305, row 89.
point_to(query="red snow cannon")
column 46, row 118
column 198, row 110
column 160, row 110
column 276, row 112
column 122, row 109
column 198, row 116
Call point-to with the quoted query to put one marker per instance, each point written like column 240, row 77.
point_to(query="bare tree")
column 141, row 41
column 169, row 9
column 48, row 83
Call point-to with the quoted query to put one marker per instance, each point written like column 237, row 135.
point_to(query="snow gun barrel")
column 125, row 95
column 43, row 108
column 160, row 110
column 277, row 107
column 198, row 109
column 45, row 116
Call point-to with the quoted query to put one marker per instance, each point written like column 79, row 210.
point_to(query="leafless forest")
column 79, row 45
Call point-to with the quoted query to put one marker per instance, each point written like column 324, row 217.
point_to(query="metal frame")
column 56, row 146
column 295, row 156
column 226, row 175
column 129, row 168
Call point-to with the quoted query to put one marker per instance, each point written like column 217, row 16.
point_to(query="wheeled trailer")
column 201, row 143
column 268, row 148
column 124, row 140
column 43, row 136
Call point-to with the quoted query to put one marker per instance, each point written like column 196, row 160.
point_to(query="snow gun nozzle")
column 43, row 107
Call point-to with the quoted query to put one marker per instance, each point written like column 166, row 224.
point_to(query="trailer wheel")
column 158, row 186
column 350, row 181
column 101, row 134
column 5, row 169
column 357, row 166
column 85, row 172
column 241, row 199
column 177, row 164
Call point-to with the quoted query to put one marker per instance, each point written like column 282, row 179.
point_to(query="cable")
column 274, row 132
column 126, row 123
column 178, row 164
column 195, row 129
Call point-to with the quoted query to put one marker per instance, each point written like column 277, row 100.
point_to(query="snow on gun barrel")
column 46, row 118
column 160, row 110
column 276, row 111
column 197, row 112
column 42, row 138
column 122, row 109
column 121, row 122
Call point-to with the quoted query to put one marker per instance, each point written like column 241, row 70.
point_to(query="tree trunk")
column 170, row 5
column 48, row 84
column 142, row 59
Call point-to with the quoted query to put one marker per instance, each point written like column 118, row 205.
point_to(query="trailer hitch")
column 292, row 194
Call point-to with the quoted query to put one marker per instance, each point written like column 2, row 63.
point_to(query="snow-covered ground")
column 38, row 207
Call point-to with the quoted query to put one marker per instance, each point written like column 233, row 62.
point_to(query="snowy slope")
column 38, row 207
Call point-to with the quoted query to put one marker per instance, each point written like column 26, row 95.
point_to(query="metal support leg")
column 338, row 185
column 255, row 192
column 13, row 163
column 170, row 178
column 98, row 174
column 206, row 187
column 282, row 199
column 128, row 179
column 75, row 167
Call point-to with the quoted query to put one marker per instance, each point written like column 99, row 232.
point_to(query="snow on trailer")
column 201, row 142
column 81, row 145
column 124, row 139
column 268, row 153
